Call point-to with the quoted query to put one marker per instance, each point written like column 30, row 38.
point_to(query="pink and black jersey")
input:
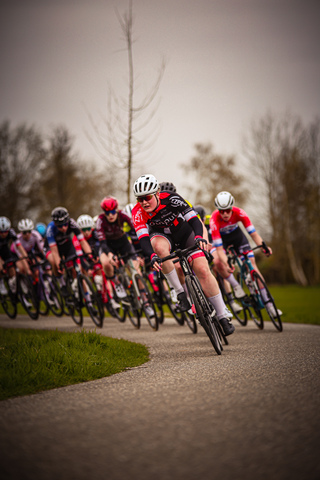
column 228, row 233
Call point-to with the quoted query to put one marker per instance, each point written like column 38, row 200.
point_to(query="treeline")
column 279, row 181
column 40, row 172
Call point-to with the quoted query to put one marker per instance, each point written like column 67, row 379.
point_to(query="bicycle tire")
column 240, row 316
column 73, row 304
column 190, row 320
column 156, row 298
column 118, row 313
column 178, row 316
column 129, row 303
column 276, row 320
column 250, row 304
column 42, row 299
column 94, row 307
column 152, row 320
column 27, row 296
column 54, row 296
column 9, row 301
column 203, row 313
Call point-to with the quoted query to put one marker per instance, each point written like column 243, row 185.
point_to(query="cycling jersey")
column 5, row 252
column 173, row 217
column 35, row 242
column 94, row 243
column 226, row 233
column 63, row 239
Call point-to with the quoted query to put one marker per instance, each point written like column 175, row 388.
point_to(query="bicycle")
column 79, row 292
column 20, row 290
column 204, row 311
column 252, row 283
column 138, row 299
column 47, row 290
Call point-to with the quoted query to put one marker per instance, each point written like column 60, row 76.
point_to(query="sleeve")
column 51, row 234
column 142, row 231
column 243, row 217
column 215, row 230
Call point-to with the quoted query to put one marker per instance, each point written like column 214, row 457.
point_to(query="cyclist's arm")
column 56, row 256
column 85, row 246
column 258, row 240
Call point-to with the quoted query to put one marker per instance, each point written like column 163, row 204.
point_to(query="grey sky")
column 228, row 61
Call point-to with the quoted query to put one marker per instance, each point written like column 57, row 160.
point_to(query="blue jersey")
column 63, row 239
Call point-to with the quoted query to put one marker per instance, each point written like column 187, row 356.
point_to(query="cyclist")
column 226, row 231
column 173, row 223
column 59, row 237
column 7, row 237
column 114, row 241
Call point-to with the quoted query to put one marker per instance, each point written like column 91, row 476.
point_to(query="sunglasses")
column 63, row 225
column 112, row 212
column 147, row 198
column 4, row 231
column 26, row 231
column 227, row 210
column 87, row 229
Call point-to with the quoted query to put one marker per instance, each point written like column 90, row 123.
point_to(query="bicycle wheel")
column 53, row 294
column 91, row 300
column 9, row 301
column 118, row 313
column 241, row 315
column 203, row 312
column 156, row 298
column 144, row 291
column 173, row 307
column 250, row 303
column 273, row 315
column 27, row 296
column 129, row 303
column 42, row 299
column 190, row 320
column 72, row 303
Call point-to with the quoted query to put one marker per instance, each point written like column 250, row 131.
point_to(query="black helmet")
column 201, row 211
column 168, row 187
column 60, row 216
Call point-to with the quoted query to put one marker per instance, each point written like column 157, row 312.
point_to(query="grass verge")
column 32, row 361
column 298, row 304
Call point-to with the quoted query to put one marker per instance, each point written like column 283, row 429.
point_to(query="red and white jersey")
column 226, row 232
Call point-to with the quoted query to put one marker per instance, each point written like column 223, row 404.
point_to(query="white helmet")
column 25, row 224
column 95, row 218
column 5, row 224
column 224, row 201
column 146, row 184
column 85, row 221
column 128, row 208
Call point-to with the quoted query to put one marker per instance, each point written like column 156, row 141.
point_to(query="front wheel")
column 190, row 320
column 72, row 303
column 203, row 312
column 269, row 304
column 91, row 300
column 27, row 296
column 146, row 302
column 9, row 301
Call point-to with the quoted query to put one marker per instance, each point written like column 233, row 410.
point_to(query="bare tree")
column 212, row 173
column 286, row 155
column 128, row 134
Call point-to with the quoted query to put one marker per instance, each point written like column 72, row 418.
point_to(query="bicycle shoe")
column 271, row 310
column 149, row 310
column 239, row 292
column 227, row 326
column 115, row 305
column 235, row 306
column 184, row 304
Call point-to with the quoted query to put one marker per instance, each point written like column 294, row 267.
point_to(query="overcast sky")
column 227, row 62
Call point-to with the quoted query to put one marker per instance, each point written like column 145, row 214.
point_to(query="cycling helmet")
column 201, row 211
column 85, row 221
column 5, row 224
column 109, row 203
column 25, row 224
column 224, row 201
column 41, row 228
column 60, row 216
column 128, row 208
column 146, row 184
column 95, row 218
column 168, row 187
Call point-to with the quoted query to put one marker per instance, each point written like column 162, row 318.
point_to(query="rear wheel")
column 172, row 304
column 203, row 312
column 73, row 303
column 53, row 294
column 190, row 320
column 9, row 301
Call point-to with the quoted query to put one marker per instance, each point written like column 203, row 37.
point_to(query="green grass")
column 32, row 361
column 298, row 304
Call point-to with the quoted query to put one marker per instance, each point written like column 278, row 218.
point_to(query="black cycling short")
column 239, row 242
column 174, row 245
column 121, row 246
column 67, row 250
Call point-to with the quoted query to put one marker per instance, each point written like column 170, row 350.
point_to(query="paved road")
column 252, row 413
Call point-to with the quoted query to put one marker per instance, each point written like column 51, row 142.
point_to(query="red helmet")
column 109, row 203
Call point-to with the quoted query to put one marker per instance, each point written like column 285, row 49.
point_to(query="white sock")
column 174, row 281
column 219, row 305
column 233, row 282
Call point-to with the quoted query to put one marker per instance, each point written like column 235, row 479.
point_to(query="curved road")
column 252, row 413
